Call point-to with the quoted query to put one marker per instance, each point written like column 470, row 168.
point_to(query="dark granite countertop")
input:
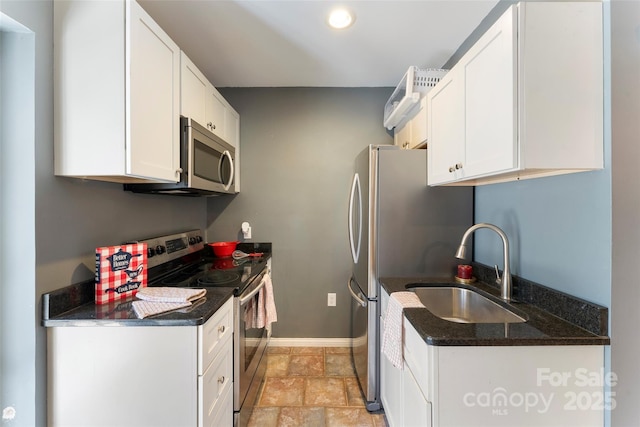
column 547, row 323
column 74, row 305
column 121, row 313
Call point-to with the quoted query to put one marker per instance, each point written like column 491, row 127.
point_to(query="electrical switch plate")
column 331, row 299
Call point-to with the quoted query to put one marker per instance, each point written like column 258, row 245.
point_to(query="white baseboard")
column 310, row 342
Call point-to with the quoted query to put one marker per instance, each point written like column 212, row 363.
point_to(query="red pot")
column 223, row 249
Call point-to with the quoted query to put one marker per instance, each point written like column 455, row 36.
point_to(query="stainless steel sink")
column 463, row 305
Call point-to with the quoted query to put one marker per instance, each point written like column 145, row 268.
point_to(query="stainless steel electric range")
column 184, row 260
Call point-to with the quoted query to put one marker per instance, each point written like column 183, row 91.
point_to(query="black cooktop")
column 207, row 271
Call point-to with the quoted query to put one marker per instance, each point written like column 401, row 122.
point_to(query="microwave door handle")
column 231, row 172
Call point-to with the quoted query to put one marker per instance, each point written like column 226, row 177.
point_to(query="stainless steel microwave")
column 207, row 165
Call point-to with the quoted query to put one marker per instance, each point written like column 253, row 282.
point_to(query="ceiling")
column 264, row 43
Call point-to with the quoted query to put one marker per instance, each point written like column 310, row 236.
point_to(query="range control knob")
column 160, row 250
column 199, row 239
column 150, row 252
column 192, row 240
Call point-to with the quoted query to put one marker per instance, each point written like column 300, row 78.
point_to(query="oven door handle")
column 245, row 298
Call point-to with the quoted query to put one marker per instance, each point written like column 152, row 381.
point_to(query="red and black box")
column 120, row 271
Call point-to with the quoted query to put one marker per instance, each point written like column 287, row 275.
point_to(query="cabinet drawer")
column 384, row 303
column 418, row 358
column 223, row 415
column 417, row 409
column 215, row 384
column 213, row 333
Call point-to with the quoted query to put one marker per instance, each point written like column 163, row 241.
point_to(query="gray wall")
column 298, row 150
column 625, row 135
column 70, row 219
column 559, row 229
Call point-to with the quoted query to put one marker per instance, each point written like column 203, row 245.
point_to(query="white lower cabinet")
column 119, row 376
column 415, row 407
column 390, row 379
column 215, row 368
column 453, row 386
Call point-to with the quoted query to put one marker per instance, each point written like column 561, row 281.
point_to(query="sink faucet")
column 505, row 282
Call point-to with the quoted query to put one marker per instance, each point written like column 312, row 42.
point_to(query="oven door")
column 250, row 344
column 210, row 162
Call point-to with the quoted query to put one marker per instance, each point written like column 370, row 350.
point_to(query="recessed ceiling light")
column 341, row 18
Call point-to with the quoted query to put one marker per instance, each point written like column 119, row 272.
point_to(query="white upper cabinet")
column 116, row 94
column 445, row 152
column 202, row 102
column 526, row 100
column 418, row 125
column 413, row 133
column 490, row 82
column 402, row 135
column 232, row 136
column 193, row 91
column 215, row 113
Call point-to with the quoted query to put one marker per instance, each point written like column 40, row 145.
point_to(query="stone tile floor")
column 311, row 387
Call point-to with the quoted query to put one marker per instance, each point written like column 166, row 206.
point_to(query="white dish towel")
column 166, row 294
column 266, row 305
column 149, row 308
column 392, row 338
column 164, row 299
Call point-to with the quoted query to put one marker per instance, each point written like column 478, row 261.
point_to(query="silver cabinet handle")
column 210, row 125
column 221, row 329
column 455, row 167
column 221, row 379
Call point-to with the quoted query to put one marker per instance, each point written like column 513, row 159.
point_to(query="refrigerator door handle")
column 360, row 301
column 355, row 187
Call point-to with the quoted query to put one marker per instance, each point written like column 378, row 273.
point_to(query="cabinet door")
column 215, row 112
column 391, row 390
column 445, row 104
column 193, row 91
column 231, row 127
column 214, row 386
column 232, row 136
column 416, row 409
column 153, row 92
column 402, row 136
column 418, row 125
column 490, row 100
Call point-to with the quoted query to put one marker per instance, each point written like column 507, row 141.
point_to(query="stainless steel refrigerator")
column 398, row 227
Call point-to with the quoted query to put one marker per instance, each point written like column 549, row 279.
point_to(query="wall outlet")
column 331, row 299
